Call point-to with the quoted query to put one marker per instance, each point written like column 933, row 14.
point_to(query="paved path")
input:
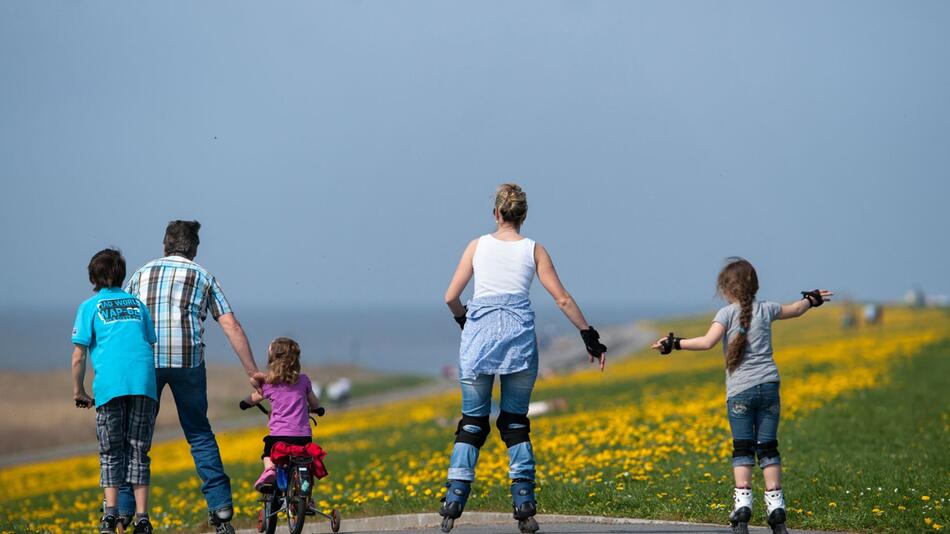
column 492, row 523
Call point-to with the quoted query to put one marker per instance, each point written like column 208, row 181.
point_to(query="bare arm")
column 254, row 398
column 552, row 283
column 706, row 342
column 799, row 307
column 238, row 339
column 79, row 377
column 312, row 400
column 463, row 274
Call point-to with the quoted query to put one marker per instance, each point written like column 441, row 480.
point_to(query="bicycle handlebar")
column 244, row 405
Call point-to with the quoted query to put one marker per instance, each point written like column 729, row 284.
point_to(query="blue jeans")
column 476, row 401
column 190, row 390
column 753, row 417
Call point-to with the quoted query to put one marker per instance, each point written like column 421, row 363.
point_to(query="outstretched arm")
column 799, row 307
column 706, row 342
column 463, row 273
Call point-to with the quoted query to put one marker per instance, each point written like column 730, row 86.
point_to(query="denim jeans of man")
column 190, row 390
column 754, row 415
column 476, row 401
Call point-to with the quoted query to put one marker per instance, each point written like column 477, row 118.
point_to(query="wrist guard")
column 460, row 319
column 670, row 344
column 244, row 405
column 592, row 342
column 813, row 297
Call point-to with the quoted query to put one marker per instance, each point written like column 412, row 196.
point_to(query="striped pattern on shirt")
column 178, row 293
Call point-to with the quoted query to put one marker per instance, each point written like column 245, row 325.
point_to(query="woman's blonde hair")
column 511, row 203
column 283, row 361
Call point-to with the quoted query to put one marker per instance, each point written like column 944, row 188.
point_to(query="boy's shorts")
column 124, row 426
column 269, row 442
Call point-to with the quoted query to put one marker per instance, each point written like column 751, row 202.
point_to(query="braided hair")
column 738, row 281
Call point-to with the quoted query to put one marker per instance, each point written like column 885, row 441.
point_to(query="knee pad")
column 473, row 430
column 768, row 449
column 743, row 447
column 222, row 516
column 514, row 428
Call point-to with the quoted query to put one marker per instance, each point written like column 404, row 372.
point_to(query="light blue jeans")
column 476, row 401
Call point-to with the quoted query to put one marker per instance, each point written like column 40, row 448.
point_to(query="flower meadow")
column 865, row 423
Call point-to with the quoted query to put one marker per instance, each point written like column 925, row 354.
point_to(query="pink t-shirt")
column 289, row 411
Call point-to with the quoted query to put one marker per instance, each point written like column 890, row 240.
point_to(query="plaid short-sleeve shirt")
column 178, row 293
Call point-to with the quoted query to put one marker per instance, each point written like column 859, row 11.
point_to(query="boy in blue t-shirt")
column 116, row 330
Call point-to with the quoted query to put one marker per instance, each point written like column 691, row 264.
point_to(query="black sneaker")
column 107, row 524
column 143, row 526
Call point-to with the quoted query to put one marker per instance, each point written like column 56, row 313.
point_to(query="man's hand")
column 257, row 378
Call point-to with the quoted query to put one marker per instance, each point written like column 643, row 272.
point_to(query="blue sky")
column 343, row 153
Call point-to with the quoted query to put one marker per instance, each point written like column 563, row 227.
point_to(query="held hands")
column 256, row 380
column 817, row 297
column 595, row 349
column 83, row 400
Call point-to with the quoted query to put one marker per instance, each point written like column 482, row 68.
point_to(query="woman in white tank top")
column 498, row 338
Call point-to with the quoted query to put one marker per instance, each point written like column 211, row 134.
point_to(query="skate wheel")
column 529, row 525
column 447, row 524
column 335, row 520
column 740, row 527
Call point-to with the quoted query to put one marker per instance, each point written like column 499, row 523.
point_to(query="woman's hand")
column 83, row 400
column 658, row 345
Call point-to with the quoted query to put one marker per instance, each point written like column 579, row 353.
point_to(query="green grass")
column 883, row 448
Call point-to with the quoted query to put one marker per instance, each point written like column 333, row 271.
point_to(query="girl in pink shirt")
column 291, row 400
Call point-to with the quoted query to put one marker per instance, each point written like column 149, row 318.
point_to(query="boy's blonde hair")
column 283, row 361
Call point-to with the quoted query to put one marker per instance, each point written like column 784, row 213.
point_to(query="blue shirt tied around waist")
column 498, row 337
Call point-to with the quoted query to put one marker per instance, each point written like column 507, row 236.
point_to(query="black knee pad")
column 768, row 449
column 743, row 447
column 221, row 516
column 473, row 430
column 514, row 428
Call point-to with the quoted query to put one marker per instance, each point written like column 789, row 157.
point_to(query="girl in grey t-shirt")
column 752, row 383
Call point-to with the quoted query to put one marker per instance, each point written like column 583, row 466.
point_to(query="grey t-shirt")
column 757, row 366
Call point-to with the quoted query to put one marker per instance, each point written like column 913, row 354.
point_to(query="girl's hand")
column 83, row 400
column 658, row 345
column 825, row 294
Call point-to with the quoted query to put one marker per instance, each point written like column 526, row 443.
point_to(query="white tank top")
column 503, row 267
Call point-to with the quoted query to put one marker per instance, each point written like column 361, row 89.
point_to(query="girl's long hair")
column 738, row 281
column 283, row 361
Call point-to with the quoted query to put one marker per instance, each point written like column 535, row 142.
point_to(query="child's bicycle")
column 291, row 493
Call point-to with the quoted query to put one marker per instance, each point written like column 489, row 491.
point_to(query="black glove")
column 460, row 319
column 670, row 344
column 813, row 297
column 319, row 411
column 592, row 342
column 244, row 405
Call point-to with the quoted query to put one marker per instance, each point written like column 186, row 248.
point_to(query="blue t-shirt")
column 118, row 330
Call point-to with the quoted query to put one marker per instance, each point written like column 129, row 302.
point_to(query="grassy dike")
column 863, row 409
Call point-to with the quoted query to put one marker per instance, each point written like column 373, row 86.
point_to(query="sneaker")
column 143, row 526
column 107, row 524
column 265, row 482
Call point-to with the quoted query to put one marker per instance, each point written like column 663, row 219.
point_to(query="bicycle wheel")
column 296, row 504
column 267, row 519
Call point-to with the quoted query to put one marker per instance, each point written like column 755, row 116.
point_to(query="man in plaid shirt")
column 179, row 293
